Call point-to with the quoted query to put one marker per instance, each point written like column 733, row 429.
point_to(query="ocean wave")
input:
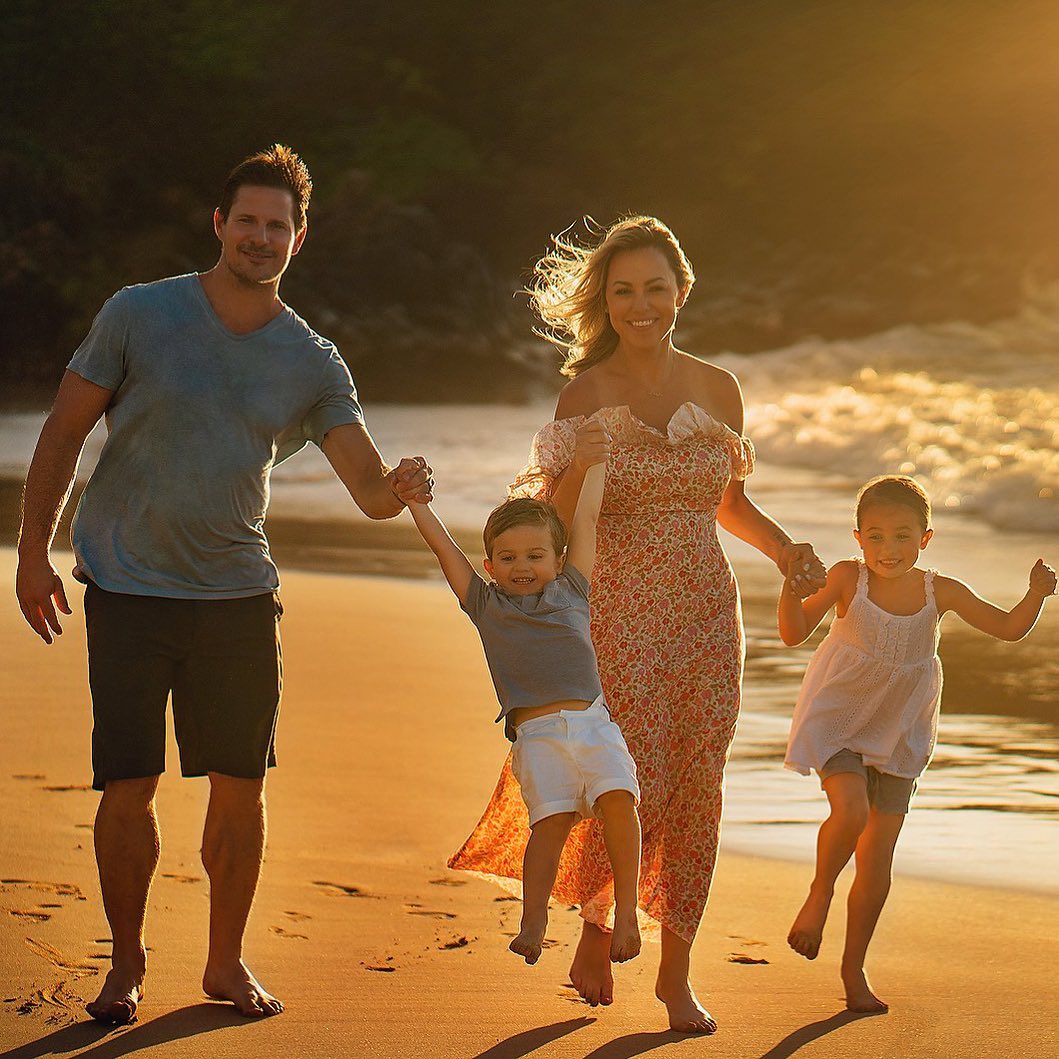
column 971, row 411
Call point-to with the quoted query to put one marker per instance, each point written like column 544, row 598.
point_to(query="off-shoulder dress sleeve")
column 551, row 451
column 743, row 455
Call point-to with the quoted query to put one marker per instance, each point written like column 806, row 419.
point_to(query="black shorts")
column 221, row 661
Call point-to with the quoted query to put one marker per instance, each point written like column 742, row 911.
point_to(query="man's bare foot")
column 859, row 996
column 118, row 999
column 686, row 1014
column 807, row 930
column 625, row 938
column 530, row 940
column 590, row 972
column 234, row 982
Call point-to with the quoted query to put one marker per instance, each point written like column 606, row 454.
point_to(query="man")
column 206, row 382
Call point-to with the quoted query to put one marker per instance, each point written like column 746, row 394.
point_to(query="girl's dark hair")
column 895, row 489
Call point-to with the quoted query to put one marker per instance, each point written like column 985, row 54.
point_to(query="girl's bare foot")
column 686, row 1014
column 859, row 996
column 118, row 999
column 807, row 930
column 530, row 940
column 625, row 938
column 234, row 982
column 590, row 972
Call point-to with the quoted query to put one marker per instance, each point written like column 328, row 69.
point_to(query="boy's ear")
column 856, row 535
column 927, row 534
column 488, row 564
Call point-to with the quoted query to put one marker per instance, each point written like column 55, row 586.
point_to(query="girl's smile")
column 891, row 537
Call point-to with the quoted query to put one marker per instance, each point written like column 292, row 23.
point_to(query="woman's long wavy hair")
column 569, row 288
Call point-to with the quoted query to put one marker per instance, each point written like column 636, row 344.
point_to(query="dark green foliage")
column 831, row 167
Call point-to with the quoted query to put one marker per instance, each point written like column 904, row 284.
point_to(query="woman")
column 666, row 621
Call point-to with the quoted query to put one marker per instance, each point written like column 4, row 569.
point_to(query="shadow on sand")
column 107, row 1042
column 815, row 1030
column 530, row 1040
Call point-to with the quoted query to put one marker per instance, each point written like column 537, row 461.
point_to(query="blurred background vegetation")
column 833, row 167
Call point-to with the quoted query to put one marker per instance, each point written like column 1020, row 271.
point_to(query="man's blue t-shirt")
column 200, row 415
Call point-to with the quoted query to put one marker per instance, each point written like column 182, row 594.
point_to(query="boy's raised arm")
column 454, row 564
column 581, row 548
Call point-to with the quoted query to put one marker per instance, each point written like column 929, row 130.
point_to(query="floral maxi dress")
column 669, row 639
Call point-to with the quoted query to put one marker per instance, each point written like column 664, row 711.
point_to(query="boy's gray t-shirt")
column 200, row 415
column 539, row 646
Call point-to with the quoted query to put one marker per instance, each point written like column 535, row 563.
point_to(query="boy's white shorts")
column 564, row 761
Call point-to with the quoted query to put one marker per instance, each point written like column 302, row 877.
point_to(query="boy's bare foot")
column 530, row 940
column 118, row 999
column 807, row 930
column 686, row 1014
column 625, row 938
column 234, row 982
column 590, row 972
column 859, row 996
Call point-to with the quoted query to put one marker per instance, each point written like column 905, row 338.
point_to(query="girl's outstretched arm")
column 987, row 617
column 454, row 564
column 581, row 547
column 797, row 618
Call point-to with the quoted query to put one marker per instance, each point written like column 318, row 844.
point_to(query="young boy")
column 569, row 757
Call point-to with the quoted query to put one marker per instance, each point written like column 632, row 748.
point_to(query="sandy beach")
column 387, row 756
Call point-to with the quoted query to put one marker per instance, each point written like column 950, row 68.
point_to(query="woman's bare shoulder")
column 580, row 396
column 716, row 389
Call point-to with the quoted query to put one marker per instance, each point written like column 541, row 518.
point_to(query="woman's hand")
column 802, row 569
column 591, row 445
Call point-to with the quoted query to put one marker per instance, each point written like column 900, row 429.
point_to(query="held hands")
column 591, row 444
column 412, row 481
column 1042, row 579
column 802, row 569
column 37, row 585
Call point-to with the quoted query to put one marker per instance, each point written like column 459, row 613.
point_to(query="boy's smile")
column 523, row 560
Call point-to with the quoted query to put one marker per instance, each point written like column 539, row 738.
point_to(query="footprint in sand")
column 77, row 968
column 28, row 776
column 56, row 889
column 418, row 910
column 448, row 882
column 339, row 890
column 280, row 932
column 456, row 943
column 181, row 878
column 741, row 957
column 25, row 913
column 64, row 788
column 298, row 917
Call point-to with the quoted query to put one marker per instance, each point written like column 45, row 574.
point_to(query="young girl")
column 867, row 715
column 569, row 757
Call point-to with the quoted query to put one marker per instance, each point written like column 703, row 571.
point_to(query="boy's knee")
column 615, row 803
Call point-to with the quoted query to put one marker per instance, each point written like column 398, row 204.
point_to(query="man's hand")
column 40, row 590
column 412, row 481
column 802, row 569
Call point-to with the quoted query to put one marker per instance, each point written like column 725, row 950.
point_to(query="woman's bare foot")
column 859, row 996
column 625, row 938
column 590, row 972
column 686, row 1014
column 118, row 999
column 807, row 930
column 530, row 940
column 234, row 982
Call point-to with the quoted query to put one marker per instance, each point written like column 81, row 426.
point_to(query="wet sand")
column 387, row 756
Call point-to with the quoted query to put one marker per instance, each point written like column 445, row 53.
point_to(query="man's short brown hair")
column 523, row 512
column 278, row 167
